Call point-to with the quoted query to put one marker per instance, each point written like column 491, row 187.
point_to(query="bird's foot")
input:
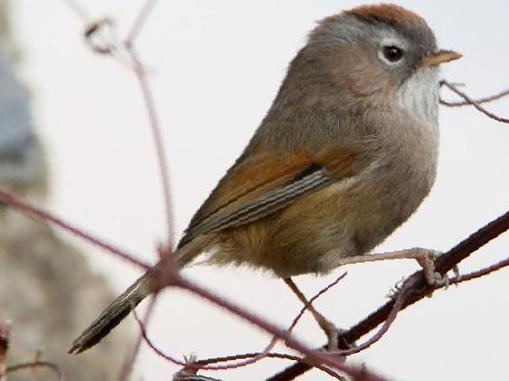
column 426, row 259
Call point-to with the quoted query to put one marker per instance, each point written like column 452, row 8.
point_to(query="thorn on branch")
column 91, row 32
column 190, row 372
column 100, row 36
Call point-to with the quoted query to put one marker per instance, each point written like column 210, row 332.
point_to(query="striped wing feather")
column 256, row 188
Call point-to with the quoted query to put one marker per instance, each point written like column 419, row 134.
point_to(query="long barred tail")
column 112, row 315
column 125, row 303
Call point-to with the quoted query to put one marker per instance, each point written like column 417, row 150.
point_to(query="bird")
column 346, row 153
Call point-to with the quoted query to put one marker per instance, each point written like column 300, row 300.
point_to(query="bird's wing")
column 265, row 183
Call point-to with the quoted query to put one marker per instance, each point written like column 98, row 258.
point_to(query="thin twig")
column 130, row 358
column 257, row 356
column 313, row 357
column 480, row 273
column 45, row 216
column 148, row 99
column 37, row 364
column 314, row 298
column 140, row 21
column 398, row 304
column 152, row 346
column 272, row 355
column 487, row 99
column 285, row 356
column 473, row 102
column 201, row 365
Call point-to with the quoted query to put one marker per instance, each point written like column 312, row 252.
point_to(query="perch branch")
column 415, row 283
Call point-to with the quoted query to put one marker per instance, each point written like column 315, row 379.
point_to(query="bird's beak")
column 439, row 57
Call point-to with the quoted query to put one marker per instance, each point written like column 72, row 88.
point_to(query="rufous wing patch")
column 251, row 177
column 264, row 184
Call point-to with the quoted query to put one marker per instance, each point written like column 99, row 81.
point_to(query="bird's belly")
column 342, row 220
column 303, row 234
column 313, row 234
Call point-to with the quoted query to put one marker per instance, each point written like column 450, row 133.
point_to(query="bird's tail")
column 125, row 303
column 112, row 315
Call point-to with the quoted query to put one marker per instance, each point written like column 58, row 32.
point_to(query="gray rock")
column 46, row 291
column 47, row 287
column 20, row 153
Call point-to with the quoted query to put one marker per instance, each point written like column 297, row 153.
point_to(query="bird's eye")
column 392, row 53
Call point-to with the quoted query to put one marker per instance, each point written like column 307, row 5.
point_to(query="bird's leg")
column 425, row 258
column 328, row 327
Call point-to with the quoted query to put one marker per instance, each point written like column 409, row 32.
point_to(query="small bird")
column 344, row 156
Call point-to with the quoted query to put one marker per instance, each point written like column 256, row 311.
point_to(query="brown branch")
column 313, row 357
column 417, row 284
column 272, row 355
column 47, row 217
column 314, row 298
column 157, row 136
column 473, row 102
column 399, row 301
column 130, row 358
column 251, row 358
column 248, row 359
column 37, row 364
column 479, row 101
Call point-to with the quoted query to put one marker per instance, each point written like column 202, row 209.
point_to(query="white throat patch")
column 419, row 96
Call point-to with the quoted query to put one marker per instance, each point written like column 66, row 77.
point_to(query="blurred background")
column 215, row 67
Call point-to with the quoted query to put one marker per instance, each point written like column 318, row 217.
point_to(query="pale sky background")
column 215, row 68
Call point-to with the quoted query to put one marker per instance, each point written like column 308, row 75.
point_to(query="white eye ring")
column 391, row 54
